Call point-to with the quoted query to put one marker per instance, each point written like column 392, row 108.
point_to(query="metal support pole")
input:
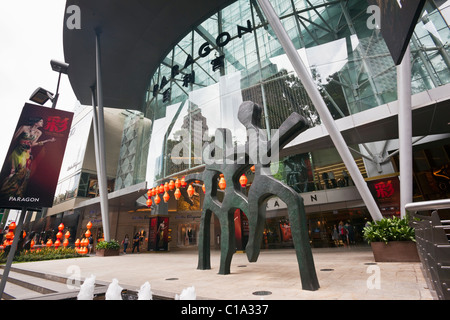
column 321, row 108
column 405, row 131
column 55, row 98
column 12, row 251
column 99, row 128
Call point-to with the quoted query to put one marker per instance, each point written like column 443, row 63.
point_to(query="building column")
column 99, row 140
column 405, row 131
column 321, row 108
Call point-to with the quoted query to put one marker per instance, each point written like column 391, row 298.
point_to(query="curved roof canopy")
column 135, row 37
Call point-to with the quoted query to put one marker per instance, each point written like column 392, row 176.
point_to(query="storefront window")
column 187, row 234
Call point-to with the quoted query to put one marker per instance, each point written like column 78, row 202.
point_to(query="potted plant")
column 392, row 240
column 107, row 248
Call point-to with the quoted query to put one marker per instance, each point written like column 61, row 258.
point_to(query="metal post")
column 99, row 120
column 321, row 108
column 55, row 99
column 405, row 131
column 12, row 251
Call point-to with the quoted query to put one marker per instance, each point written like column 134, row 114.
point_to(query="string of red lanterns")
column 163, row 189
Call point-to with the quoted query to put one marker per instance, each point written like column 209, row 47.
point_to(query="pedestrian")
column 136, row 239
column 91, row 243
column 125, row 242
column 351, row 233
column 325, row 179
column 343, row 233
column 346, row 177
column 335, row 236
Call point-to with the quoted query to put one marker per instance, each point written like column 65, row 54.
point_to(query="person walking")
column 136, row 239
column 125, row 242
column 91, row 243
column 335, row 236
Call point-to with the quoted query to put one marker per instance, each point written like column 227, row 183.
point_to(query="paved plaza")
column 343, row 273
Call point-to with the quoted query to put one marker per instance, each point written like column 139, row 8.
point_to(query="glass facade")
column 234, row 56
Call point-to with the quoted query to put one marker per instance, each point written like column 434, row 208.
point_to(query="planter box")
column 395, row 251
column 107, row 252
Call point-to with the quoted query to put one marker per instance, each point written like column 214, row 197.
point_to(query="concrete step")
column 25, row 285
column 17, row 292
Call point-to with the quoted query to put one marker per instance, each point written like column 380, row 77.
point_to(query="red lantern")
column 177, row 194
column 12, row 226
column 149, row 202
column 166, row 197
column 243, row 181
column 89, row 225
column 253, row 168
column 67, row 235
column 32, row 243
column 87, row 233
column 157, row 199
column 57, row 243
column 77, row 243
column 222, row 183
column 177, row 183
column 9, row 235
column 49, row 243
column 59, row 235
column 166, row 187
column 190, row 190
column 171, row 185
column 61, row 227
column 65, row 243
column 149, row 193
column 183, row 183
column 161, row 189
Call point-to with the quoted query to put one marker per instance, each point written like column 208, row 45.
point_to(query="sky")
column 30, row 36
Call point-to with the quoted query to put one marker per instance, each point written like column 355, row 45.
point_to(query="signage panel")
column 33, row 162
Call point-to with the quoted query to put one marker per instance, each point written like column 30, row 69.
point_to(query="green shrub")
column 113, row 244
column 389, row 229
column 42, row 254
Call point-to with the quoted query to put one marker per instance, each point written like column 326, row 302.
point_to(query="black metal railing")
column 433, row 243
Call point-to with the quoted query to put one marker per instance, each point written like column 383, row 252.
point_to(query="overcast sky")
column 30, row 36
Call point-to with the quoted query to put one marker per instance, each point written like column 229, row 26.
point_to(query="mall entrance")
column 321, row 226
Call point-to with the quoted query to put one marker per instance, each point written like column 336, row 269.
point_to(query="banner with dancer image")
column 33, row 162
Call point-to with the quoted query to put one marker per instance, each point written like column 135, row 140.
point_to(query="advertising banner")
column 398, row 20
column 386, row 192
column 32, row 165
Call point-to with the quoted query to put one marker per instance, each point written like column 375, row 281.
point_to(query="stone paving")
column 343, row 273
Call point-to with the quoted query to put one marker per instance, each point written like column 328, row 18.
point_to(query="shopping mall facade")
column 174, row 72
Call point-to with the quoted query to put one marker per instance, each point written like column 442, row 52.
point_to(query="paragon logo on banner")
column 31, row 169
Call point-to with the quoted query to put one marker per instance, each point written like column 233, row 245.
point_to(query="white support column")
column 321, row 108
column 99, row 131
column 405, row 131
